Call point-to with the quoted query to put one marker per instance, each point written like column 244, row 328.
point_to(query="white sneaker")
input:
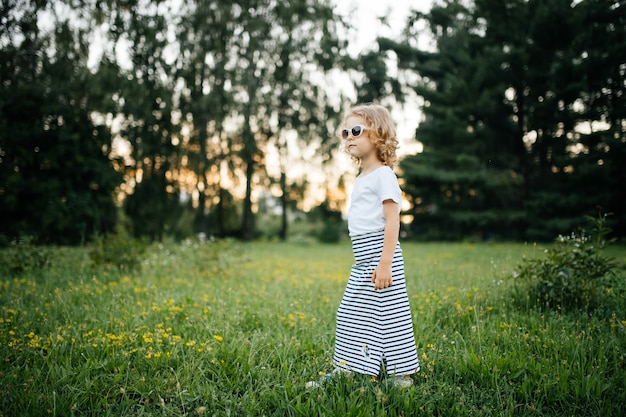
column 402, row 381
column 326, row 378
column 319, row 382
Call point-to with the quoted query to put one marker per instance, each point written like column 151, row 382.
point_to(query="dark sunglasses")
column 356, row 131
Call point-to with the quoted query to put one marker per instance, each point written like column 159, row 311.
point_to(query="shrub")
column 574, row 275
column 331, row 223
column 23, row 256
column 117, row 251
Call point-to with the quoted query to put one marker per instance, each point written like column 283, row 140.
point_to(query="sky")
column 368, row 14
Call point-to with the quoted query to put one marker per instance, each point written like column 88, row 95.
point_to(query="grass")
column 230, row 329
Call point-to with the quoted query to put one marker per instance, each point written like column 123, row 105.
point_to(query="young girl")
column 374, row 326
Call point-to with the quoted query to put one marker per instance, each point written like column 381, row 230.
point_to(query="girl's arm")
column 382, row 274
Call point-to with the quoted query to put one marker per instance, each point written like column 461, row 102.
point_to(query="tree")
column 205, row 66
column 144, row 96
column 56, row 181
column 507, row 93
column 601, row 65
column 305, row 47
column 548, row 67
column 262, row 81
column 464, row 182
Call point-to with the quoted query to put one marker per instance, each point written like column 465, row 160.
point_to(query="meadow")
column 223, row 328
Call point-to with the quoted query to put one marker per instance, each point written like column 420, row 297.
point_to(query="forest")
column 173, row 118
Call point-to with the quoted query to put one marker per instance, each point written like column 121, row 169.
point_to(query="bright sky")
column 367, row 14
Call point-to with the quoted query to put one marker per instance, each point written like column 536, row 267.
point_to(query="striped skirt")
column 374, row 327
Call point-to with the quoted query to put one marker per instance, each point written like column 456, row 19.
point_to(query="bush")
column 22, row 256
column 574, row 275
column 117, row 251
column 330, row 223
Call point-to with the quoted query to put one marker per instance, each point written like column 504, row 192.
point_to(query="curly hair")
column 382, row 128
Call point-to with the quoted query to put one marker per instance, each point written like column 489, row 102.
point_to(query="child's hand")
column 382, row 276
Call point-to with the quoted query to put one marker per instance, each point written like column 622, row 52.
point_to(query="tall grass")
column 229, row 329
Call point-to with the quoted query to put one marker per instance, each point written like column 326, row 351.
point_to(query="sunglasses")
column 356, row 131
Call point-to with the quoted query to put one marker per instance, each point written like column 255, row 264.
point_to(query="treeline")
column 166, row 104
column 147, row 114
column 525, row 118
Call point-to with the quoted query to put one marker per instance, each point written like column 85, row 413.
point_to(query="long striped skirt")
column 374, row 327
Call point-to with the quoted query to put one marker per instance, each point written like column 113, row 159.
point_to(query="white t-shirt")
column 366, row 206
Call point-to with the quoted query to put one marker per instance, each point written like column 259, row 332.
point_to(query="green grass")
column 230, row 329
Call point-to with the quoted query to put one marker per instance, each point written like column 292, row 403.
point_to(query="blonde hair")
column 382, row 131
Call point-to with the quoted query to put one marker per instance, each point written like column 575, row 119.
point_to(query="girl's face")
column 357, row 138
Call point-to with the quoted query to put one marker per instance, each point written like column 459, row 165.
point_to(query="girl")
column 374, row 326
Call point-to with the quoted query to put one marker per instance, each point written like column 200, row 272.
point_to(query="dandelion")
column 218, row 338
column 113, row 337
column 34, row 340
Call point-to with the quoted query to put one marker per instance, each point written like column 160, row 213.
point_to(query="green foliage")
column 152, row 212
column 178, row 118
column 574, row 274
column 22, row 256
column 506, row 89
column 283, row 95
column 505, row 94
column 56, row 179
column 118, row 252
column 330, row 223
column 330, row 232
